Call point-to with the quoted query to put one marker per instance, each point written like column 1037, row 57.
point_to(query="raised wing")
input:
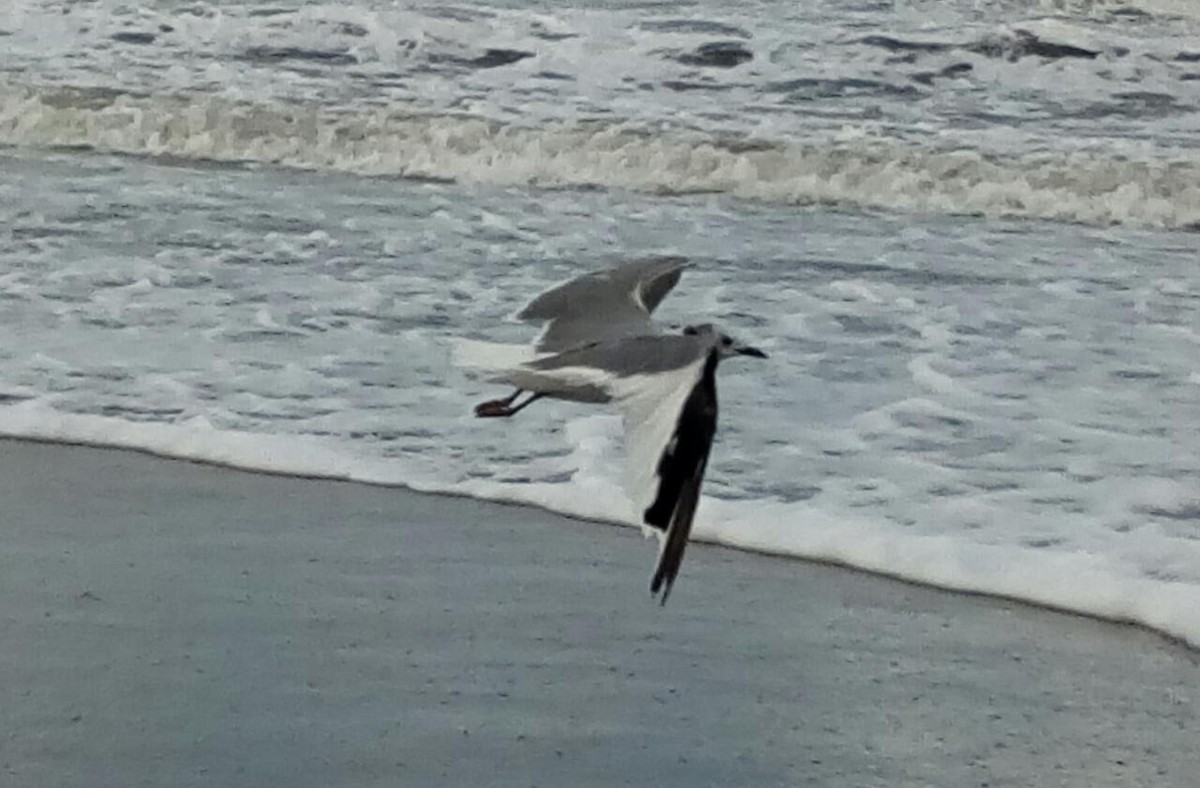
column 604, row 305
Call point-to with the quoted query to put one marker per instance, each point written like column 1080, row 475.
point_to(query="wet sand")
column 170, row 624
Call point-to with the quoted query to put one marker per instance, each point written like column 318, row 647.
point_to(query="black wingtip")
column 669, row 560
column 660, row 583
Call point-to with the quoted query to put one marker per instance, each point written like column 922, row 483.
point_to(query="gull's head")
column 726, row 345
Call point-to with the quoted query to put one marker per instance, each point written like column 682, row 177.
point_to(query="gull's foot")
column 494, row 408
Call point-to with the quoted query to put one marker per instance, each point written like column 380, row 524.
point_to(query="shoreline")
column 1167, row 636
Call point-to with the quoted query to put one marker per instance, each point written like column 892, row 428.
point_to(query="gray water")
column 980, row 296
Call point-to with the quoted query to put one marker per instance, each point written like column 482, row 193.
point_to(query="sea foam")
column 1091, row 187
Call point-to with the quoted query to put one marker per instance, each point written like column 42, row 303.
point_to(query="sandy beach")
column 172, row 624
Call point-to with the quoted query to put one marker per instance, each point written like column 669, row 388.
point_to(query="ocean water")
column 966, row 232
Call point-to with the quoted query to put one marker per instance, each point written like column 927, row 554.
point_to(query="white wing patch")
column 651, row 405
column 636, row 297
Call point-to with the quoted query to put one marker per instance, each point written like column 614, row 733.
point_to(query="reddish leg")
column 503, row 407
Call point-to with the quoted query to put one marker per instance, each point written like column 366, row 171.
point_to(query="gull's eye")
column 726, row 341
column 690, row 331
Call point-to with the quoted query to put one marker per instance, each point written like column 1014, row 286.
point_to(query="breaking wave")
column 864, row 173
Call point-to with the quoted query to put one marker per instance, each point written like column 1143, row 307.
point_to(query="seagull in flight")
column 600, row 345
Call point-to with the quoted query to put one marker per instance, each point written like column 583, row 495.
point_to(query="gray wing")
column 604, row 305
